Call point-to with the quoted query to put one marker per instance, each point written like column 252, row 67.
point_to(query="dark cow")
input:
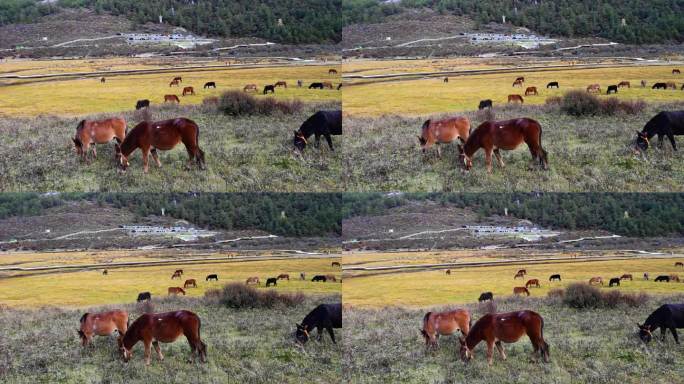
column 321, row 123
column 665, row 123
column 213, row 276
column 553, row 84
column 324, row 316
column 667, row 316
column 485, row 104
column 144, row 296
column 324, row 279
column 142, row 104
column 486, row 296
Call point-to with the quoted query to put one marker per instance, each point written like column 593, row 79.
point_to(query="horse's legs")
column 318, row 140
column 156, row 348
column 674, row 334
column 662, row 332
column 672, row 141
column 155, row 157
column 499, row 347
column 439, row 151
column 147, row 351
column 329, row 140
column 332, row 334
column 660, row 140
column 145, row 154
column 320, row 333
column 94, row 151
column 497, row 153
column 488, row 160
column 490, row 351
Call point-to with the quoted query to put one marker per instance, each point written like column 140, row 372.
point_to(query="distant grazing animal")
column 174, row 82
column 443, row 131
column 485, row 104
column 253, row 280
column 612, row 89
column 332, row 71
column 614, row 281
column 271, row 281
column 319, row 278
column 321, row 123
column 676, row 72
column 682, row 88
column 179, row 271
column 520, row 79
column 519, row 274
column 210, row 84
column 520, row 291
column 269, row 88
column 281, row 84
column 102, row 80
column 679, row 264
column 152, row 328
column 324, row 316
column 594, row 88
column 144, row 296
column 627, row 276
column 645, row 275
column 250, row 87
column 105, row 272
column 659, row 86
column 555, row 277
column 91, row 132
column 161, row 135
column 102, row 324
column 518, row 83
column 178, row 79
column 665, row 123
column 596, row 280
column 532, row 282
column 171, row 99
column 662, row 278
column 436, row 324
column 494, row 328
column 515, row 98
column 671, row 85
column 446, row 79
column 485, row 296
column 448, row 271
column 176, row 274
column 188, row 91
column 494, row 136
column 175, row 291
column 302, row 276
column 667, row 316
column 330, row 277
column 300, row 83
column 523, row 271
column 531, row 91
column 643, row 83
column 190, row 283
column 327, row 84
column 339, row 86
column 316, row 86
column 213, row 276
column 553, row 84
column 335, row 264
column 284, row 276
column 624, row 84
column 674, row 278
column 142, row 104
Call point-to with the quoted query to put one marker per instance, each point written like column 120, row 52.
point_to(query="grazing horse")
column 643, row 83
column 144, row 296
column 316, row 86
column 210, row 84
column 614, row 281
column 443, row 132
column 520, row 291
column 281, row 84
column 330, row 278
column 175, row 291
column 553, row 84
column 178, row 79
column 284, row 276
column 98, row 132
column 332, row 71
column 596, row 280
column 671, row 85
column 523, row 271
column 162, row 135
column 627, row 276
column 102, row 80
column 327, row 84
column 213, row 276
column 494, row 328
column 665, row 123
column 531, row 91
column 493, row 136
column 436, row 324
column 515, row 98
column 485, row 104
column 142, row 104
column 594, row 88
column 171, row 99
column 174, row 82
column 520, row 79
column 335, row 264
column 485, row 296
column 645, row 275
column 676, row 71
column 103, row 324
column 253, row 280
column 250, row 87
column 190, row 283
column 324, row 316
column 269, row 88
column 667, row 316
column 519, row 274
column 446, row 79
column 612, row 89
column 662, row 278
column 532, row 282
column 299, row 83
column 674, row 278
column 271, row 281
column 679, row 264
column 153, row 328
column 188, row 91
column 319, row 278
column 659, row 86
column 448, row 272
column 179, row 271
column 624, row 84
column 321, row 123
column 518, row 83
column 302, row 276
column 176, row 274
column 555, row 277
column 105, row 272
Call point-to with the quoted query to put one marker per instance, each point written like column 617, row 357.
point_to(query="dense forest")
column 639, row 215
column 278, row 213
column 645, row 21
column 284, row 21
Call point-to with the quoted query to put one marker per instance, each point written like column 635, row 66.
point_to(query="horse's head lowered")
column 464, row 159
column 121, row 160
column 642, row 141
column 645, row 332
column 126, row 353
column 83, row 337
column 465, row 352
column 299, row 141
column 302, row 333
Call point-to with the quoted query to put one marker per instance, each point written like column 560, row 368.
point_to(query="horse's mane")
column 314, row 315
column 309, row 126
column 83, row 318
column 129, row 144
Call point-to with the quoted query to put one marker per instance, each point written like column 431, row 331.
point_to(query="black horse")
column 319, row 278
column 664, row 278
column 614, row 281
column 144, row 296
column 339, row 87
column 213, row 276
column 271, row 281
column 665, row 123
column 269, row 88
column 142, row 104
column 613, row 88
column 321, row 123
column 555, row 277
column 324, row 316
column 486, row 296
column 667, row 316
column 553, row 84
column 316, row 86
column 209, row 84
column 659, row 86
column 302, row 276
column 485, row 104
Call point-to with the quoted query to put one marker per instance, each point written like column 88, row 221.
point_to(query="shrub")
column 584, row 296
column 238, row 295
column 610, row 106
column 553, row 100
column 238, row 103
column 556, row 292
column 632, row 107
column 580, row 103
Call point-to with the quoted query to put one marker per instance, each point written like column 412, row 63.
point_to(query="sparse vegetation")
column 240, row 296
column 238, row 103
column 585, row 296
column 583, row 104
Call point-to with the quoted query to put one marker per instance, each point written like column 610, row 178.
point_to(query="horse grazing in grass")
column 623, row 84
column 520, row 79
column 519, row 274
column 484, row 296
column 171, row 99
column 671, row 85
column 665, row 123
column 555, row 277
column 98, row 132
column 531, row 91
column 659, row 86
column 493, row 136
column 175, row 291
column 676, row 71
column 281, row 84
column 213, row 276
column 518, row 83
column 335, row 264
column 269, row 88
column 627, row 276
column 188, row 91
column 318, row 278
column 553, row 84
column 102, row 80
column 612, row 89
column 594, row 88
column 180, row 271
column 253, row 280
column 327, row 84
column 667, row 316
column 448, row 272
column 643, row 83
column 515, row 98
column 190, row 283
column 662, row 278
column 102, row 324
column 316, row 86
column 443, row 132
column 321, row 123
column 284, row 276
column 210, row 84
column 176, row 274
column 596, row 280
column 436, row 324
column 332, row 71
column 152, row 328
column 142, row 104
column 485, row 104
column 331, row 278
column 674, row 278
column 271, row 281
column 178, row 79
column 105, row 272
column 324, row 316
column 679, row 264
column 614, row 281
column 532, row 282
column 250, row 87
column 174, row 82
column 522, row 271
column 509, row 327
column 144, row 296
column 521, row 291
column 162, row 135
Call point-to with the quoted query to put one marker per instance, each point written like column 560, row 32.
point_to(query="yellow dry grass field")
column 434, row 287
column 79, row 288
column 86, row 95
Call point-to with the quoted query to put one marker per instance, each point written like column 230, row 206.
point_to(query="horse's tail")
column 543, row 155
column 544, row 345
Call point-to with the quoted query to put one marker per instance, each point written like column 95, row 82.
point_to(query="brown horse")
column 493, row 136
column 448, row 272
column 103, row 324
column 331, row 278
column 494, row 328
column 327, row 84
column 596, row 280
column 102, row 80
column 188, row 91
column 176, row 274
column 519, row 274
column 671, row 85
column 594, row 88
column 532, row 282
column 190, row 283
column 523, row 271
column 253, row 280
column 443, row 132
column 284, row 276
column 178, row 79
column 250, row 87
column 281, row 84
column 674, row 278
column 624, row 84
column 520, row 79
column 437, row 324
column 520, row 291
column 332, row 71
column 531, row 91
column 679, row 264
column 174, row 82
column 171, row 99
column 676, row 71
column 515, row 98
column 335, row 264
column 175, row 291
column 162, row 135
column 627, row 276
column 153, row 328
column 98, row 132
column 518, row 83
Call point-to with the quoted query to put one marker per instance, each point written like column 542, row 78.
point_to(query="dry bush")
column 238, row 103
column 238, row 295
column 585, row 296
column 580, row 103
